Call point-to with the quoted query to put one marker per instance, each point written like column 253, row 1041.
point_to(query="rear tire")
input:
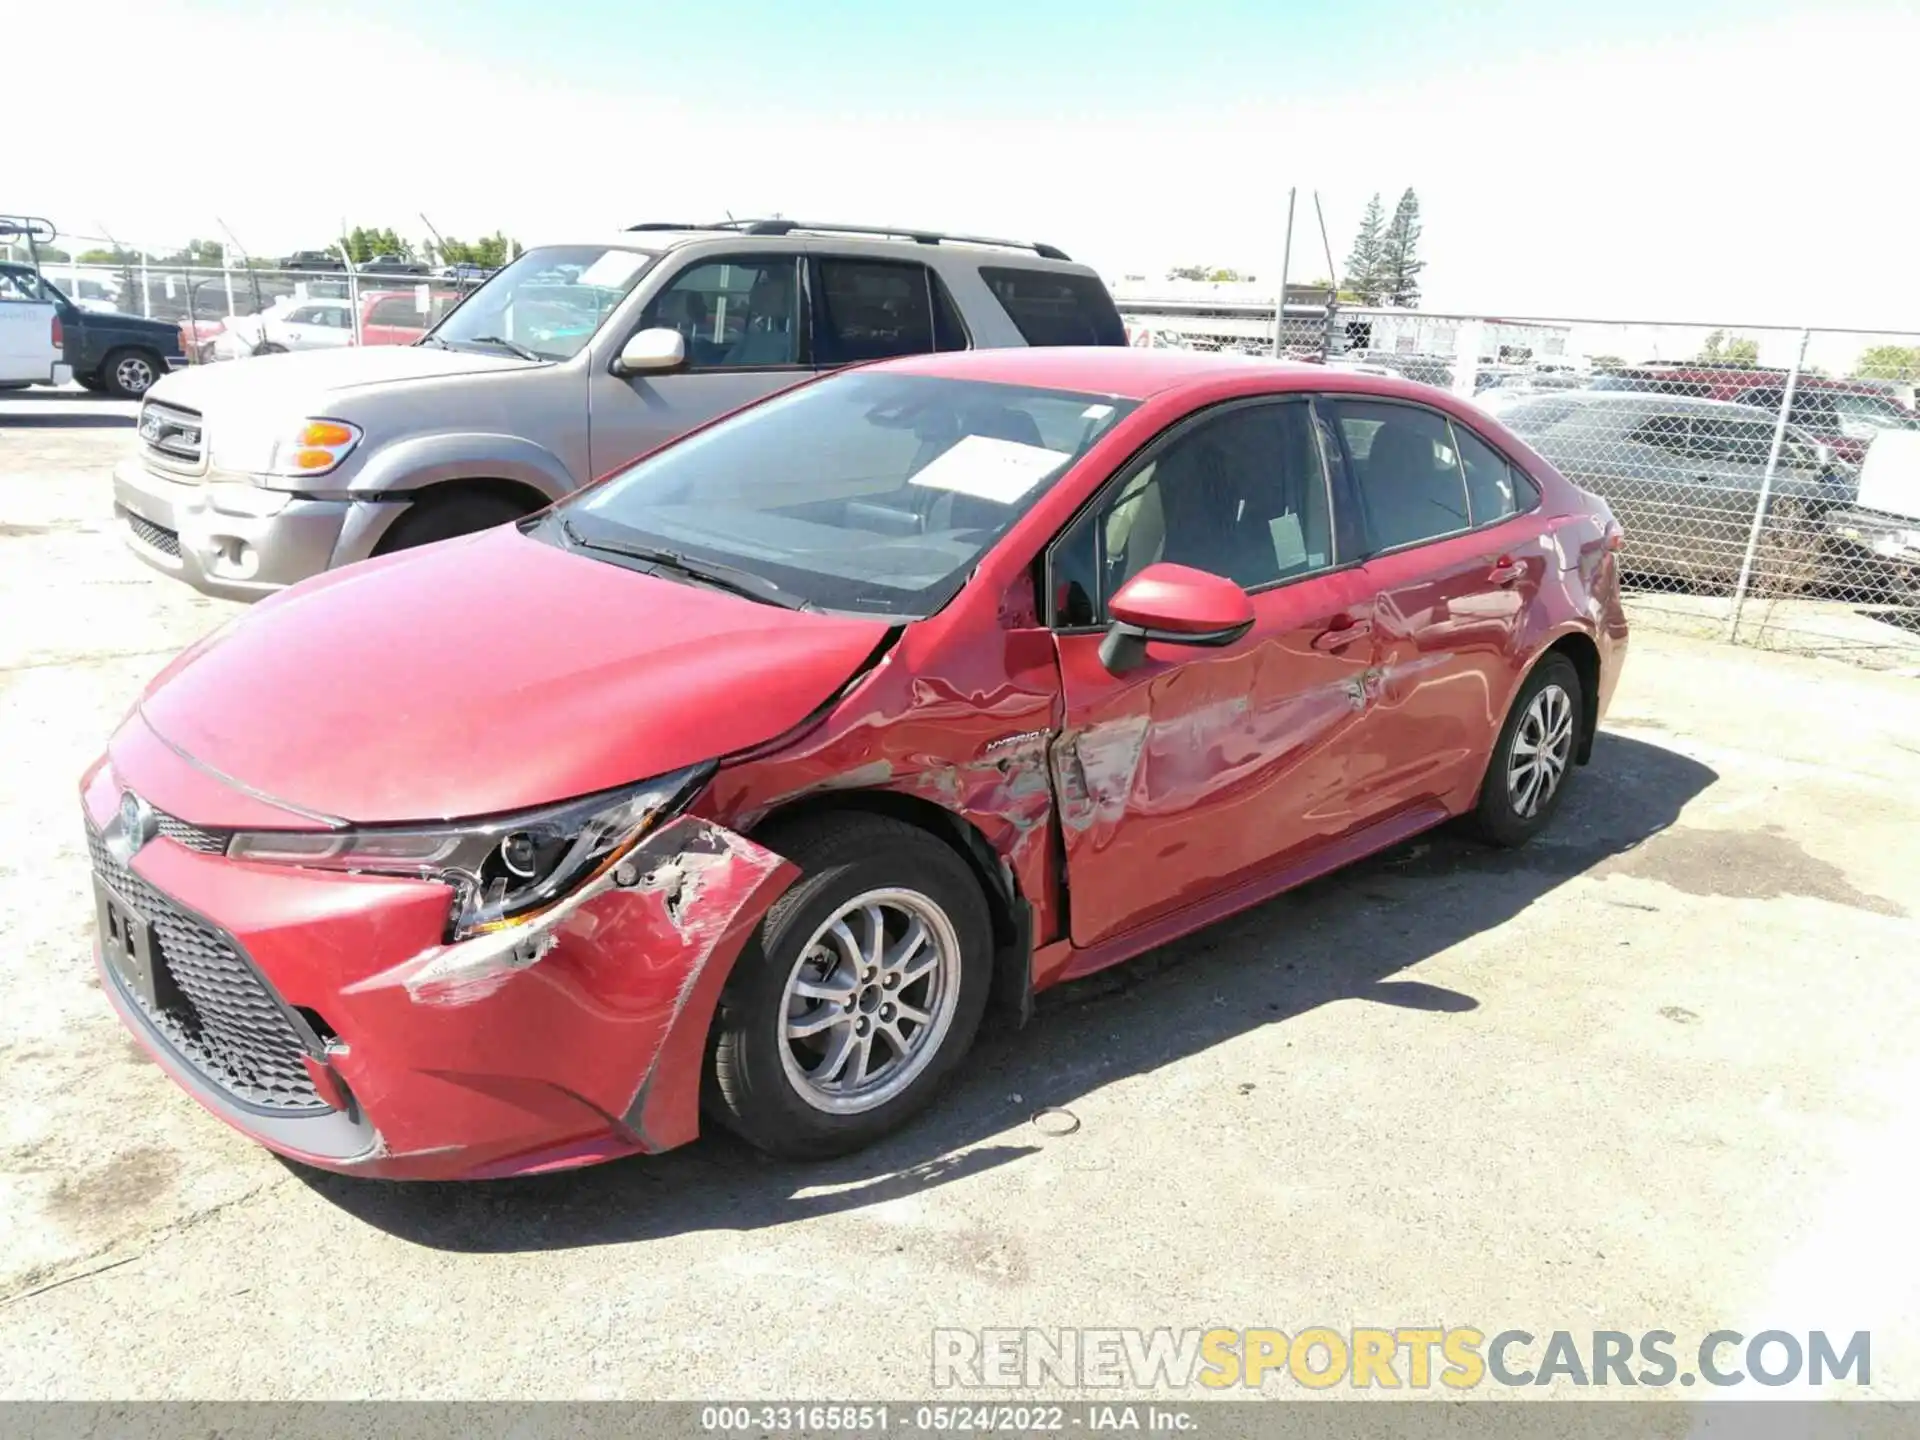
column 816, row 1048
column 461, row 512
column 128, row 374
column 1533, row 759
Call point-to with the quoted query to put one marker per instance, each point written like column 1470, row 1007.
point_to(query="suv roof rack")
column 895, row 232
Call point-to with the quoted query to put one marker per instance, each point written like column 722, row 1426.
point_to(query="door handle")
column 1341, row 636
column 1506, row 570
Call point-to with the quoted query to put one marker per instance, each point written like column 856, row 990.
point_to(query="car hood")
column 297, row 382
column 490, row 674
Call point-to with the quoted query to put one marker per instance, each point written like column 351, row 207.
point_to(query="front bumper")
column 427, row 1062
column 267, row 540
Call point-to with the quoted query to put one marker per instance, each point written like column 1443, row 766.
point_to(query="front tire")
column 129, row 374
column 461, row 512
column 859, row 993
column 1533, row 758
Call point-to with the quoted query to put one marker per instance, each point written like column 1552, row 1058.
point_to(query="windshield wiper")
column 514, row 345
column 707, row 572
column 433, row 340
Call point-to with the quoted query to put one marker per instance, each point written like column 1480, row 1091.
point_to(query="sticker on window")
column 612, row 270
column 998, row 470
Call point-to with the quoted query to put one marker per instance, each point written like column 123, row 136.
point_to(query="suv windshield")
column 866, row 492
column 547, row 303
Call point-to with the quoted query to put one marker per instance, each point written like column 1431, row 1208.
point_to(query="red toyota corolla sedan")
column 744, row 780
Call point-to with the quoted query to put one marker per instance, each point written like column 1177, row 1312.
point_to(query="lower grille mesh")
column 214, row 1008
column 154, row 537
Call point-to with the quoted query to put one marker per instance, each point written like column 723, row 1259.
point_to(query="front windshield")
column 867, row 492
column 548, row 302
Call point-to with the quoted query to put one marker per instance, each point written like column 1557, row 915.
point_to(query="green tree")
column 363, row 244
column 119, row 255
column 489, row 251
column 1724, row 349
column 1400, row 265
column 1363, row 261
column 1888, row 362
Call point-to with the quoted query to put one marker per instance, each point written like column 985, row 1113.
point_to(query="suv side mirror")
column 1170, row 604
column 652, row 352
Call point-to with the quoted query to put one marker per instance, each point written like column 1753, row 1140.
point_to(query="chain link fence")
column 1768, row 478
column 238, row 308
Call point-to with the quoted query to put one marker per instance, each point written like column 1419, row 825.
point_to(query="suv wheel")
column 461, row 512
column 129, row 374
column 859, row 993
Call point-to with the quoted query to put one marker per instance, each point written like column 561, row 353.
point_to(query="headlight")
column 313, row 447
column 503, row 871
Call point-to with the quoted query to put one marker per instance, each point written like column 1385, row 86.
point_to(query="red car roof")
column 1105, row 370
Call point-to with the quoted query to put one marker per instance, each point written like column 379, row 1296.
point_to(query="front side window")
column 547, row 303
column 872, row 309
column 742, row 313
column 1864, row 416
column 19, row 285
column 1407, row 470
column 1050, row 307
column 1241, row 494
column 866, row 492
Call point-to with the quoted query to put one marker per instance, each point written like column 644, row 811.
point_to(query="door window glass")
column 872, row 309
column 1242, row 495
column 1408, row 471
column 734, row 314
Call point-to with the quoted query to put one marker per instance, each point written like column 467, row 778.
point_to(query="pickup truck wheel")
column 858, row 994
column 443, row 517
column 129, row 374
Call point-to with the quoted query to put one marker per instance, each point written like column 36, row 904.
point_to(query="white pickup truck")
column 1884, row 521
column 31, row 345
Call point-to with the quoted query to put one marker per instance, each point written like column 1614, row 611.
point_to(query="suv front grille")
column 173, row 431
column 154, row 537
column 215, row 1009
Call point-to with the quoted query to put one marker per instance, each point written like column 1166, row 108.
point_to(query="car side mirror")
column 652, row 352
column 1168, row 604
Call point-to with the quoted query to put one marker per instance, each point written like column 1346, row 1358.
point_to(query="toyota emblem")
column 137, row 821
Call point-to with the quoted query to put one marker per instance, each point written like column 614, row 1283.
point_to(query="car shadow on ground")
column 1339, row 938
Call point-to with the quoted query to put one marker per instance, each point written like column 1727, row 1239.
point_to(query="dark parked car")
column 1684, row 474
column 312, row 260
column 118, row 355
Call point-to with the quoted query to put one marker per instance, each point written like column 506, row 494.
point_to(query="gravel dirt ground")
column 1658, row 1071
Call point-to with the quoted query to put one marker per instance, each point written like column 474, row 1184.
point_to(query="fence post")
column 1766, row 488
column 1280, row 300
column 146, row 290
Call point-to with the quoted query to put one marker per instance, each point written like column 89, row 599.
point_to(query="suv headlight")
column 505, row 871
column 313, row 447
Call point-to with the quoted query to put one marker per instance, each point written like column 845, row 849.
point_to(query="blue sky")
column 1696, row 159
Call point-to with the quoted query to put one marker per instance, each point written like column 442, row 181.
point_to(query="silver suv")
column 570, row 362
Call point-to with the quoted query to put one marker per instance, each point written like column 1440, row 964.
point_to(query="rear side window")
column 1494, row 488
column 871, row 310
column 1052, row 308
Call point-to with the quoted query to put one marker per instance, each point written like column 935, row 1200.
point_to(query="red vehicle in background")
column 395, row 317
column 1843, row 415
column 794, row 743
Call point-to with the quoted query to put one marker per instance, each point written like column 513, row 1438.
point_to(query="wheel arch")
column 1012, row 992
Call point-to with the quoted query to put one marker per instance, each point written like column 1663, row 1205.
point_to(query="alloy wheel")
column 869, row 1001
column 134, row 375
column 1542, row 745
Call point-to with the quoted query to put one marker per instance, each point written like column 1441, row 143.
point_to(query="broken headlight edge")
column 505, row 870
